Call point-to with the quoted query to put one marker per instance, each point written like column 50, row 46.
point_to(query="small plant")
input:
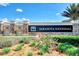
column 19, row 47
column 72, row 51
column 30, row 54
column 24, row 40
column 6, row 50
column 43, row 49
column 34, row 43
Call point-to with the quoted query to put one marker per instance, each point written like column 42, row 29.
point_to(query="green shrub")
column 30, row 54
column 6, row 50
column 68, row 49
column 63, row 46
column 72, row 51
column 19, row 47
column 43, row 49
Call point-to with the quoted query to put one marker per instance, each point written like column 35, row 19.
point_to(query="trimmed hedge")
column 74, row 40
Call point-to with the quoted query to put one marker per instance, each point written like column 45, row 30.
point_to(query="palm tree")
column 72, row 12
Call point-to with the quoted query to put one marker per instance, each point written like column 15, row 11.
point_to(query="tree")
column 72, row 11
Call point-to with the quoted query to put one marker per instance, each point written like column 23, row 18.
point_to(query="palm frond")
column 71, row 11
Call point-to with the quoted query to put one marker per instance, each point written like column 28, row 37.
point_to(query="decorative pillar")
column 0, row 27
column 25, row 27
column 75, row 29
column 12, row 24
column 5, row 27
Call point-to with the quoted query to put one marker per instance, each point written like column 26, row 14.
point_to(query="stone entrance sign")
column 24, row 28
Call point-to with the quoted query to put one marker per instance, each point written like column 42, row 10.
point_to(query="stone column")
column 0, row 27
column 13, row 27
column 6, row 29
column 25, row 27
column 75, row 29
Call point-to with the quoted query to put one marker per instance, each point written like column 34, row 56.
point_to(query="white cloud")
column 17, row 19
column 21, row 19
column 19, row 10
column 4, row 20
column 24, row 19
column 4, row 4
column 57, row 14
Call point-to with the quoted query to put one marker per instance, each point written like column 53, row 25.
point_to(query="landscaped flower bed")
column 46, row 46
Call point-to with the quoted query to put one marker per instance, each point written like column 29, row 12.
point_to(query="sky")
column 33, row 11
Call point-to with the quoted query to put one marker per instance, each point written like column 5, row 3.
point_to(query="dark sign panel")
column 50, row 28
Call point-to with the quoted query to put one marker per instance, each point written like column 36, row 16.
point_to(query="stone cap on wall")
column 50, row 23
column 41, row 23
